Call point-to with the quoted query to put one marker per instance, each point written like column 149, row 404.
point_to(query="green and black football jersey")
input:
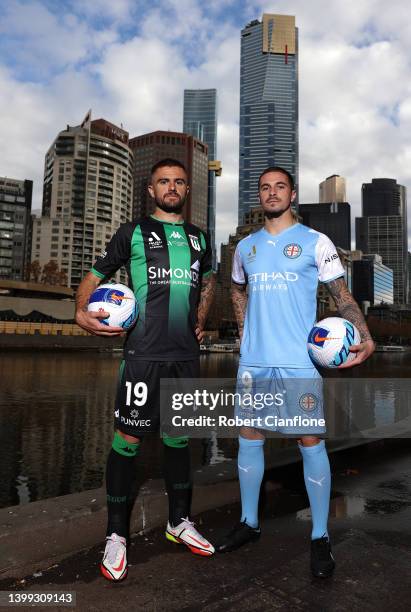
column 165, row 263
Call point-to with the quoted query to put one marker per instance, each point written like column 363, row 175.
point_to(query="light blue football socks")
column 317, row 476
column 250, row 473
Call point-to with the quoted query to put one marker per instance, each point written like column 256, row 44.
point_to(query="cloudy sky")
column 129, row 60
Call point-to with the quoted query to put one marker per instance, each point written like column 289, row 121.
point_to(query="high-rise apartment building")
column 148, row 149
column 333, row 220
column 87, row 193
column 382, row 229
column 15, row 226
column 200, row 120
column 268, row 103
column 332, row 189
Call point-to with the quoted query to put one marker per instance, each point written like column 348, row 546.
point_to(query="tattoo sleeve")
column 348, row 307
column 239, row 298
column 85, row 289
column 206, row 298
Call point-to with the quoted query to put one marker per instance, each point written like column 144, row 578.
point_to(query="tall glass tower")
column 383, row 229
column 268, row 103
column 200, row 120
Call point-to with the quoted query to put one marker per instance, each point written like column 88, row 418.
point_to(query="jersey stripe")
column 180, row 259
column 138, row 270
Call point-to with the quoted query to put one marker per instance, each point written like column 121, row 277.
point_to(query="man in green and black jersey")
column 168, row 262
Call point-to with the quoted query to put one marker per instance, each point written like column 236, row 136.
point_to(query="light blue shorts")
column 285, row 400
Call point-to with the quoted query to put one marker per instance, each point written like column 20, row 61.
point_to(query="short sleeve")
column 207, row 259
column 117, row 253
column 328, row 262
column 238, row 275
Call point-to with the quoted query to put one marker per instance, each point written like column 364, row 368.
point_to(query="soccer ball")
column 329, row 342
column 119, row 301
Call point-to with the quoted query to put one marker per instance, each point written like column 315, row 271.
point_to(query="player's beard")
column 275, row 214
column 176, row 207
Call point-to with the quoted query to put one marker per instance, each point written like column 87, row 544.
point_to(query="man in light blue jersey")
column 281, row 265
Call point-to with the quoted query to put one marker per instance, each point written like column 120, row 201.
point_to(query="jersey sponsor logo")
column 135, row 422
column 154, row 241
column 271, row 281
column 331, row 258
column 308, row 402
column 168, row 274
column 263, row 277
column 195, row 243
column 292, row 250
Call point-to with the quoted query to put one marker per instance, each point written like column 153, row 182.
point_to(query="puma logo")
column 318, row 482
column 245, row 469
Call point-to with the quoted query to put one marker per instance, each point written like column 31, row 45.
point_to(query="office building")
column 200, row 120
column 382, row 229
column 332, row 189
column 373, row 282
column 87, row 194
column 332, row 219
column 268, row 103
column 150, row 148
column 15, row 227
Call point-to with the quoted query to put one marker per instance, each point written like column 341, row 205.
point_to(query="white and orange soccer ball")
column 119, row 301
column 330, row 340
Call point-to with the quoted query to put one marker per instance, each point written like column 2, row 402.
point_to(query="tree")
column 33, row 271
column 52, row 275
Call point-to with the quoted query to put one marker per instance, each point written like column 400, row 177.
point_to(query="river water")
column 56, row 420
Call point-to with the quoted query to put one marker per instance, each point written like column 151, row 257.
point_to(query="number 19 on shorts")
column 136, row 393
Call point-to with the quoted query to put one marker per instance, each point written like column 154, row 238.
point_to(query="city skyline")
column 78, row 57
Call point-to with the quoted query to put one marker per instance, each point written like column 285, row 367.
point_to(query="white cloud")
column 354, row 64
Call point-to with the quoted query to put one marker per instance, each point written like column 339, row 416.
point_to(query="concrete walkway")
column 371, row 534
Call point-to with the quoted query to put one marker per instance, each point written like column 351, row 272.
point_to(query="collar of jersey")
column 167, row 222
column 284, row 231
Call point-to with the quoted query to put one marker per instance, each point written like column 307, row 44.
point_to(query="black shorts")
column 137, row 407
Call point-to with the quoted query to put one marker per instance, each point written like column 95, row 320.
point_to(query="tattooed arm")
column 206, row 299
column 90, row 320
column 239, row 298
column 349, row 309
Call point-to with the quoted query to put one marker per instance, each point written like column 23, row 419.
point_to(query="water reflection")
column 56, row 420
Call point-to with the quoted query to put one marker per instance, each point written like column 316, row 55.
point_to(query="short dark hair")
column 277, row 169
column 168, row 162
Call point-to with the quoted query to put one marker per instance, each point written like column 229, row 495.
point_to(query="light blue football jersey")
column 282, row 272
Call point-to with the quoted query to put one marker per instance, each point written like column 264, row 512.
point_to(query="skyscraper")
column 87, row 193
column 200, row 120
column 268, row 103
column 332, row 189
column 15, row 223
column 372, row 281
column 151, row 148
column 332, row 219
column 382, row 229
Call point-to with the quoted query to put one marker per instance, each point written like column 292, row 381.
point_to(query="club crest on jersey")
column 292, row 250
column 308, row 402
column 195, row 243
